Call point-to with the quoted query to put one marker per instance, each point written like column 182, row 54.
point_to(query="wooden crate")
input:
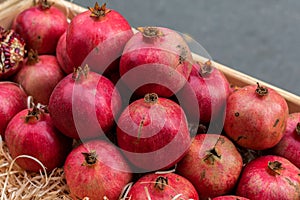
column 10, row 8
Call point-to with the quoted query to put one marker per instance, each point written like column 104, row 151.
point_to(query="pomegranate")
column 31, row 132
column 41, row 26
column 39, row 75
column 153, row 133
column 156, row 59
column 211, row 89
column 289, row 145
column 83, row 104
column 96, row 169
column 270, row 177
column 230, row 197
column 256, row 117
column 97, row 37
column 212, row 164
column 162, row 186
column 12, row 52
column 13, row 100
column 62, row 56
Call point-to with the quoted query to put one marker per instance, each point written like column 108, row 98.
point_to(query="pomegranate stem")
column 80, row 71
column 151, row 98
column 275, row 167
column 33, row 57
column 44, row 4
column 150, row 32
column 90, row 158
column 206, row 69
column 161, row 182
column 261, row 91
column 99, row 11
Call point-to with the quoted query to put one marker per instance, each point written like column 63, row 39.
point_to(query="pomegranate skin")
column 289, row 145
column 211, row 89
column 39, row 79
column 84, row 108
column 153, row 133
column 230, row 197
column 37, row 138
column 31, row 25
column 106, row 177
column 97, row 41
column 163, row 187
column 13, row 100
column 160, row 64
column 212, row 165
column 255, row 121
column 62, row 56
column 258, row 181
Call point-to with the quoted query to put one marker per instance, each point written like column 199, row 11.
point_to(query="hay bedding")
column 16, row 183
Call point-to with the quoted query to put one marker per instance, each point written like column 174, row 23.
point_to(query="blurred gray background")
column 259, row 38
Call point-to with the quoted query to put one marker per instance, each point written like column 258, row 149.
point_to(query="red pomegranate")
column 41, row 26
column 270, row 177
column 62, row 56
column 96, row 169
column 156, row 59
column 289, row 145
column 162, row 186
column 97, row 37
column 153, row 133
column 39, row 75
column 31, row 132
column 83, row 104
column 211, row 89
column 212, row 164
column 13, row 100
column 256, row 117
column 12, row 52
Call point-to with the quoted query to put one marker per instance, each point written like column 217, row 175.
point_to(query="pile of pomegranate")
column 131, row 115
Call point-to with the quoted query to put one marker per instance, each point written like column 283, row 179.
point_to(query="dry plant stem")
column 16, row 183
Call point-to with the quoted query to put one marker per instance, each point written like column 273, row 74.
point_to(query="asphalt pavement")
column 259, row 38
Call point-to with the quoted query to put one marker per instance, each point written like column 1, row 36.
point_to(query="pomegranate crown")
column 150, row 32
column 32, row 57
column 99, row 11
column 44, row 4
column 206, row 68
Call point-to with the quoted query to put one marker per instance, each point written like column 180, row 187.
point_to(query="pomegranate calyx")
column 211, row 156
column 161, row 182
column 99, row 11
column 261, row 91
column 298, row 128
column 33, row 57
column 206, row 69
column 35, row 111
column 79, row 72
column 275, row 167
column 90, row 158
column 151, row 98
column 183, row 54
column 150, row 32
column 44, row 4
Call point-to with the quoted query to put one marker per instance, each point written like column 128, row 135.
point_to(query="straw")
column 16, row 183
